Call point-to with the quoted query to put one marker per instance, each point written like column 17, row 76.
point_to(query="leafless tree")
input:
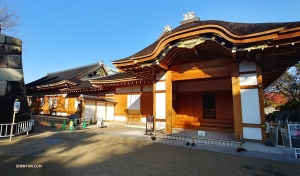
column 8, row 18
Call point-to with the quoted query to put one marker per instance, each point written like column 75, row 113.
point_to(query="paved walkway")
column 118, row 150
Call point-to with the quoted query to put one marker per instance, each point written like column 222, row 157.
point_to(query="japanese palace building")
column 206, row 75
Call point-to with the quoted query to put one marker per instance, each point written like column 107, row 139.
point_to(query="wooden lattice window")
column 209, row 106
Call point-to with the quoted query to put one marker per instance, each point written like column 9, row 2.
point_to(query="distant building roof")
column 68, row 78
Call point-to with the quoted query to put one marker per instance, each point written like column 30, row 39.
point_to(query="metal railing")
column 18, row 128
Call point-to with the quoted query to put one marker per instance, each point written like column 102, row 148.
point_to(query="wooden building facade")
column 206, row 75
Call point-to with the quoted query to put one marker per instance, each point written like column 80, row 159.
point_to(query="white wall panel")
column 247, row 66
column 89, row 110
column 120, row 118
column 248, row 79
column 128, row 89
column 148, row 88
column 160, row 106
column 160, row 125
column 252, row 133
column 134, row 102
column 250, row 106
column 110, row 109
column 101, row 111
column 161, row 86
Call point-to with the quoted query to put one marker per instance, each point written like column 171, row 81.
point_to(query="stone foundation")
column 12, row 80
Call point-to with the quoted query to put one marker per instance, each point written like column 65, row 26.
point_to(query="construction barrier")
column 75, row 122
column 18, row 128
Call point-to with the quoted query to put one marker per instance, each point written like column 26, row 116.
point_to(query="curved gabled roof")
column 234, row 32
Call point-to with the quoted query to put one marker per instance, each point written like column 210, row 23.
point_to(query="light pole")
column 16, row 109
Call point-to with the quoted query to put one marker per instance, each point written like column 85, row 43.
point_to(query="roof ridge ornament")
column 167, row 28
column 189, row 17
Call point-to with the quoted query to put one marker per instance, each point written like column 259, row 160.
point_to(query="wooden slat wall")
column 185, row 105
column 147, row 104
column 121, row 106
column 190, row 105
column 224, row 107
column 197, row 103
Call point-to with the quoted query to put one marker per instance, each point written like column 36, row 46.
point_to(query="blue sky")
column 63, row 34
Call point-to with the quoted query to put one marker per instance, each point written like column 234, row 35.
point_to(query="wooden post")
column 236, row 97
column 168, row 103
column 154, row 100
column 261, row 101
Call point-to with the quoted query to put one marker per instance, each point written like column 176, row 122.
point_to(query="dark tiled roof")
column 235, row 28
column 72, row 75
column 94, row 98
column 113, row 77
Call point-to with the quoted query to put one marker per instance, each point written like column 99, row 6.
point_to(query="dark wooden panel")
column 147, row 103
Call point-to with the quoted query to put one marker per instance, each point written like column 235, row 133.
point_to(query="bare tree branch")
column 8, row 18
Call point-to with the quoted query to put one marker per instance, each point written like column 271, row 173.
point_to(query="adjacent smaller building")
column 57, row 93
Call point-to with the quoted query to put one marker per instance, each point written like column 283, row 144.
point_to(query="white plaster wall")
column 134, row 102
column 250, row 106
column 160, row 105
column 252, row 133
column 161, row 86
column 248, row 79
column 128, row 89
column 247, row 66
column 76, row 104
column 224, row 84
column 100, row 111
column 110, row 110
column 160, row 125
column 148, row 88
column 89, row 110
column 120, row 118
column 161, row 76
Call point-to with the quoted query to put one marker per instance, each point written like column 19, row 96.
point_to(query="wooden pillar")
column 261, row 101
column 168, row 102
column 154, row 100
column 237, row 108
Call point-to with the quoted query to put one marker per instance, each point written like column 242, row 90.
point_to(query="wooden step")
column 221, row 129
column 181, row 118
column 187, row 123
column 227, row 125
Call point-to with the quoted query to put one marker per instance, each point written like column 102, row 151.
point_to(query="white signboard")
column 294, row 135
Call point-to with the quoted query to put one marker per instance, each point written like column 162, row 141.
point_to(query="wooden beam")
column 222, row 71
column 236, row 97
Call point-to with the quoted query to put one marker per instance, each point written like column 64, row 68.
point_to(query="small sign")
column 201, row 133
column 150, row 119
column 294, row 135
column 17, row 106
